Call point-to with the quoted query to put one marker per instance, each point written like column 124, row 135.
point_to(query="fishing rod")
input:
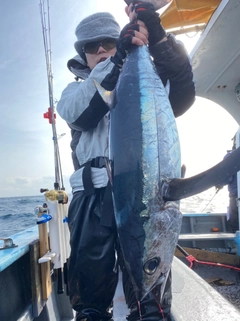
column 57, row 199
column 46, row 29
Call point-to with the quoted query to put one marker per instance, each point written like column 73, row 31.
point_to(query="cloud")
column 22, row 181
column 4, row 64
column 26, row 186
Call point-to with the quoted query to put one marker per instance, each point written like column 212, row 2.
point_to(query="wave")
column 22, row 200
column 17, row 216
column 6, row 217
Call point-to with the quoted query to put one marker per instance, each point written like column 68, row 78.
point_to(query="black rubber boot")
column 150, row 311
column 92, row 315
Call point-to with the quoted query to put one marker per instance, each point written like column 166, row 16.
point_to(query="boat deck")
column 193, row 298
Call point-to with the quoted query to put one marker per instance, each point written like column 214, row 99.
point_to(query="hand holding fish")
column 144, row 28
column 145, row 12
column 134, row 33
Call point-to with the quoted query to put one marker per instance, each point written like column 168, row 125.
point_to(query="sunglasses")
column 92, row 47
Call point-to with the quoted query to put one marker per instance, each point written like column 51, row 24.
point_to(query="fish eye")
column 151, row 265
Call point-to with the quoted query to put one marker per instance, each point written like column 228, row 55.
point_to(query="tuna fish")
column 145, row 151
column 146, row 170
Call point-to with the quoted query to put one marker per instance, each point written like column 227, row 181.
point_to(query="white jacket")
column 77, row 106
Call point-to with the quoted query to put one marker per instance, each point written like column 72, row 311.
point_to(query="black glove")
column 124, row 42
column 145, row 12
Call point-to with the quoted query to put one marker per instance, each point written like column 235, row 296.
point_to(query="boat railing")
column 209, row 230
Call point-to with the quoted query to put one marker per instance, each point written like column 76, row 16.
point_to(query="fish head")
column 162, row 230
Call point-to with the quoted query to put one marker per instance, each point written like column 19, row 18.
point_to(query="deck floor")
column 225, row 281
column 225, row 300
column 120, row 309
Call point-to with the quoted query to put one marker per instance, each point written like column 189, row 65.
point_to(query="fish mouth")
column 150, row 267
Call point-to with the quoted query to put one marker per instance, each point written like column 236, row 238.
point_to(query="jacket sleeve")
column 80, row 105
column 172, row 63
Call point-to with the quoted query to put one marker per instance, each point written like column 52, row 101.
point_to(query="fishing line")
column 217, row 190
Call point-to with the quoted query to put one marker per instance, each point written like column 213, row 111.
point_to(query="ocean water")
column 209, row 201
column 18, row 213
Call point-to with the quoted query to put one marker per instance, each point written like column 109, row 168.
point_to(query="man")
column 233, row 194
column 102, row 48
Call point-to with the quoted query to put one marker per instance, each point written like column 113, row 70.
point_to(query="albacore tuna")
column 145, row 156
column 144, row 149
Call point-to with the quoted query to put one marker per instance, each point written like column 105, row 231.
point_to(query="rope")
column 191, row 259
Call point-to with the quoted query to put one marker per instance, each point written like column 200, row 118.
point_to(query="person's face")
column 99, row 51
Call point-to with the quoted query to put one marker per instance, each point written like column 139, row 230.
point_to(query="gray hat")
column 95, row 27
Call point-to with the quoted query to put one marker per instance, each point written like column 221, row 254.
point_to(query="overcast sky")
column 26, row 161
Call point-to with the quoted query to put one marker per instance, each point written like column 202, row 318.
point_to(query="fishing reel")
column 55, row 195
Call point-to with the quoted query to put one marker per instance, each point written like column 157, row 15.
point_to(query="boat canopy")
column 186, row 13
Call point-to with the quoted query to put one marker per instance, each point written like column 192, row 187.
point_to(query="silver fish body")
column 145, row 151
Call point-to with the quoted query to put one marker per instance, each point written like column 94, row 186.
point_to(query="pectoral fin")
column 179, row 188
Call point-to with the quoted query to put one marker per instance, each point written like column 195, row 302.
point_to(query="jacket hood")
column 78, row 67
